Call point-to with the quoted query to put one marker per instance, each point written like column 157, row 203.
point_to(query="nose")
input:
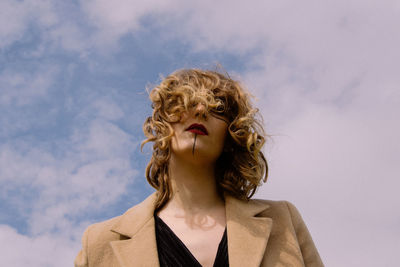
column 200, row 111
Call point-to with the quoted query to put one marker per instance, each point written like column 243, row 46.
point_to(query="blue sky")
column 73, row 79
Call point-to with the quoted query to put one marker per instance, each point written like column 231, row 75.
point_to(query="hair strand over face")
column 242, row 166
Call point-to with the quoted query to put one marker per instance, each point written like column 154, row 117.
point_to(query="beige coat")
column 260, row 233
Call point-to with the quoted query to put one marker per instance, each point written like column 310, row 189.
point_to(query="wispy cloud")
column 17, row 16
column 40, row 251
column 51, row 184
column 326, row 78
column 20, row 88
column 21, row 92
column 113, row 20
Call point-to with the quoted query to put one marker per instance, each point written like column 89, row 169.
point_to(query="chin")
column 200, row 156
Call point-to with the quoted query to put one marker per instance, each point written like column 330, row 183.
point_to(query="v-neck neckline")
column 184, row 247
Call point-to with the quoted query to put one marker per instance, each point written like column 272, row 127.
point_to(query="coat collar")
column 247, row 234
column 138, row 226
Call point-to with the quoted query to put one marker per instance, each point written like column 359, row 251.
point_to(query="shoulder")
column 123, row 225
column 102, row 231
column 283, row 212
column 276, row 210
column 98, row 238
column 275, row 207
column 289, row 228
column 272, row 203
column 119, row 227
column 95, row 241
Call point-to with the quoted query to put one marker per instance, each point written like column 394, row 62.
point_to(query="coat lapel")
column 247, row 235
column 138, row 226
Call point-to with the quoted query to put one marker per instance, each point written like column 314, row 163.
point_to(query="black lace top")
column 173, row 253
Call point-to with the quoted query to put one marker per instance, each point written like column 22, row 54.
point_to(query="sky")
column 73, row 79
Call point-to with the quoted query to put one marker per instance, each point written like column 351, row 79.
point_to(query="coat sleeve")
column 309, row 251
column 82, row 259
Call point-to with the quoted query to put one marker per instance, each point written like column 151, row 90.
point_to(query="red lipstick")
column 197, row 129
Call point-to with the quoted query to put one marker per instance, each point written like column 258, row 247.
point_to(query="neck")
column 194, row 187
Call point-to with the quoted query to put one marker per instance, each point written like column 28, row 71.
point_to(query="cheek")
column 180, row 139
column 221, row 135
column 223, row 141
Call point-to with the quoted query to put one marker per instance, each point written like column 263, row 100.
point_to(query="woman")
column 206, row 165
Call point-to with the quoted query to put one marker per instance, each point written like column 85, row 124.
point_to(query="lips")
column 197, row 129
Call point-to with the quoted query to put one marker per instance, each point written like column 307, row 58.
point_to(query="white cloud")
column 105, row 109
column 326, row 75
column 93, row 163
column 13, row 21
column 340, row 169
column 117, row 18
column 24, row 88
column 17, row 16
column 69, row 36
column 58, row 182
column 49, row 21
column 327, row 83
column 41, row 251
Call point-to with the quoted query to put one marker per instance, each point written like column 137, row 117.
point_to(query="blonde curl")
column 242, row 166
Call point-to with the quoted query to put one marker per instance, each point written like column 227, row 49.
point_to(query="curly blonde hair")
column 242, row 167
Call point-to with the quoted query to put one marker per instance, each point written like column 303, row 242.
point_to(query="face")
column 199, row 136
